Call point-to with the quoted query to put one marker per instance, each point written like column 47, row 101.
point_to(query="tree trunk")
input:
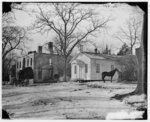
column 131, row 49
column 65, row 70
column 140, row 88
column 142, row 65
column 142, row 61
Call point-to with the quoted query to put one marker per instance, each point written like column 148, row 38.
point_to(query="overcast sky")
column 120, row 13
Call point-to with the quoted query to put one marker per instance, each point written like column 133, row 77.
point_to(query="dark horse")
column 110, row 74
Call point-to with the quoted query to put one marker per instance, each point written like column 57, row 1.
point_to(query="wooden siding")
column 81, row 74
column 104, row 65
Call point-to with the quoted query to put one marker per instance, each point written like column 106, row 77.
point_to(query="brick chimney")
column 96, row 51
column 50, row 47
column 39, row 49
column 31, row 52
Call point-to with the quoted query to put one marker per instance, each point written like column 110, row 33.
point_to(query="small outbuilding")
column 89, row 66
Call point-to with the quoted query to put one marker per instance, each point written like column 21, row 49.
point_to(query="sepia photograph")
column 72, row 60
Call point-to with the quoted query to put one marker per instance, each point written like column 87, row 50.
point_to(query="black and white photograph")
column 70, row 60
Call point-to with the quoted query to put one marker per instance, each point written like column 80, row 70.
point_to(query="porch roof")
column 80, row 62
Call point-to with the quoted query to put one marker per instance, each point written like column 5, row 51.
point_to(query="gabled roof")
column 97, row 56
column 94, row 56
column 75, row 57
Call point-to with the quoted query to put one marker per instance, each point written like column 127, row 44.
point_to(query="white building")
column 89, row 66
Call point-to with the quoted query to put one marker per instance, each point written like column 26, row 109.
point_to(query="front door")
column 83, row 72
column 81, row 76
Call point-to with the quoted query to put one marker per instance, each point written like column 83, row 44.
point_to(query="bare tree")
column 141, row 62
column 137, row 36
column 12, row 37
column 66, row 21
column 131, row 34
column 8, row 63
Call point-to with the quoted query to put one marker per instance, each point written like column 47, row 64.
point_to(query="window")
column 75, row 69
column 23, row 63
column 20, row 64
column 97, row 68
column 40, row 74
column 31, row 61
column 27, row 62
column 86, row 68
column 17, row 64
column 112, row 67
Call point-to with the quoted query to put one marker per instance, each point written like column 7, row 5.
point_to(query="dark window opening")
column 40, row 74
column 97, row 68
column 24, row 63
column 27, row 62
column 75, row 69
column 31, row 61
column 20, row 64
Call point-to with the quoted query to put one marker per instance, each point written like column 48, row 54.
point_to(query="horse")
column 110, row 74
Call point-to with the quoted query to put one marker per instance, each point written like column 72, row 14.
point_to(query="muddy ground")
column 69, row 100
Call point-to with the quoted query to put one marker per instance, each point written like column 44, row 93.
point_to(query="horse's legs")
column 111, row 79
column 103, row 77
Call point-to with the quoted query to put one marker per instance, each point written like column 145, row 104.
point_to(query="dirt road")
column 64, row 100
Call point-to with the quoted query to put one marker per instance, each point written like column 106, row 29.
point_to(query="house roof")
column 36, row 53
column 97, row 56
column 93, row 56
column 74, row 57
